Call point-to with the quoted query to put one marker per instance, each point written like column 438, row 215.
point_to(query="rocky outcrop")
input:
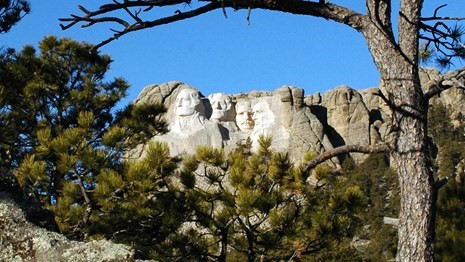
column 20, row 240
column 347, row 117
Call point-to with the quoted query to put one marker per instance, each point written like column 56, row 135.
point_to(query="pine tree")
column 266, row 206
column 62, row 108
column 210, row 201
column 68, row 107
column 141, row 122
column 16, row 122
column 58, row 128
column 140, row 205
column 330, row 214
column 250, row 206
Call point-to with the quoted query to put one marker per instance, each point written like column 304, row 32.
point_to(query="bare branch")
column 452, row 79
column 90, row 21
column 166, row 20
column 370, row 149
column 437, row 9
column 329, row 11
column 134, row 15
column 444, row 18
column 107, row 13
column 137, row 3
column 109, row 8
column 83, row 9
column 440, row 183
column 446, row 40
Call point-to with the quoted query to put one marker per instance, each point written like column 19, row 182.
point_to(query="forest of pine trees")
column 63, row 141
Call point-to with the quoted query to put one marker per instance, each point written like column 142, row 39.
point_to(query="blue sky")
column 218, row 54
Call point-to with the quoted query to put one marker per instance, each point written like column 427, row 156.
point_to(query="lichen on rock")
column 20, row 240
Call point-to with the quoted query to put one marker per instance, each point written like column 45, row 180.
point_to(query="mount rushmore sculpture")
column 227, row 121
column 296, row 122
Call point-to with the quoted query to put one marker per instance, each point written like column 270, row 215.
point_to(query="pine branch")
column 445, row 38
column 116, row 6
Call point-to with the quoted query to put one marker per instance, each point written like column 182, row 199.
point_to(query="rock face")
column 298, row 123
column 225, row 121
column 22, row 241
column 347, row 118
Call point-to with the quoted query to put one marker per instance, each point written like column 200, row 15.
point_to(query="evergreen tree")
column 210, row 201
column 68, row 106
column 331, row 214
column 140, row 205
column 56, row 118
column 450, row 221
column 16, row 122
column 140, row 123
column 261, row 207
column 266, row 201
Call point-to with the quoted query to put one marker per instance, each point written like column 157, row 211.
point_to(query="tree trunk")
column 410, row 159
column 412, row 164
column 397, row 62
column 416, row 229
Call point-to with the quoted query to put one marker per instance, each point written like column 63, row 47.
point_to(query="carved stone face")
column 262, row 116
column 221, row 104
column 244, row 116
column 186, row 102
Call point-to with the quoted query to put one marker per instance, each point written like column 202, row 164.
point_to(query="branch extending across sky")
column 136, row 9
column 89, row 19
column 441, row 40
column 442, row 18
